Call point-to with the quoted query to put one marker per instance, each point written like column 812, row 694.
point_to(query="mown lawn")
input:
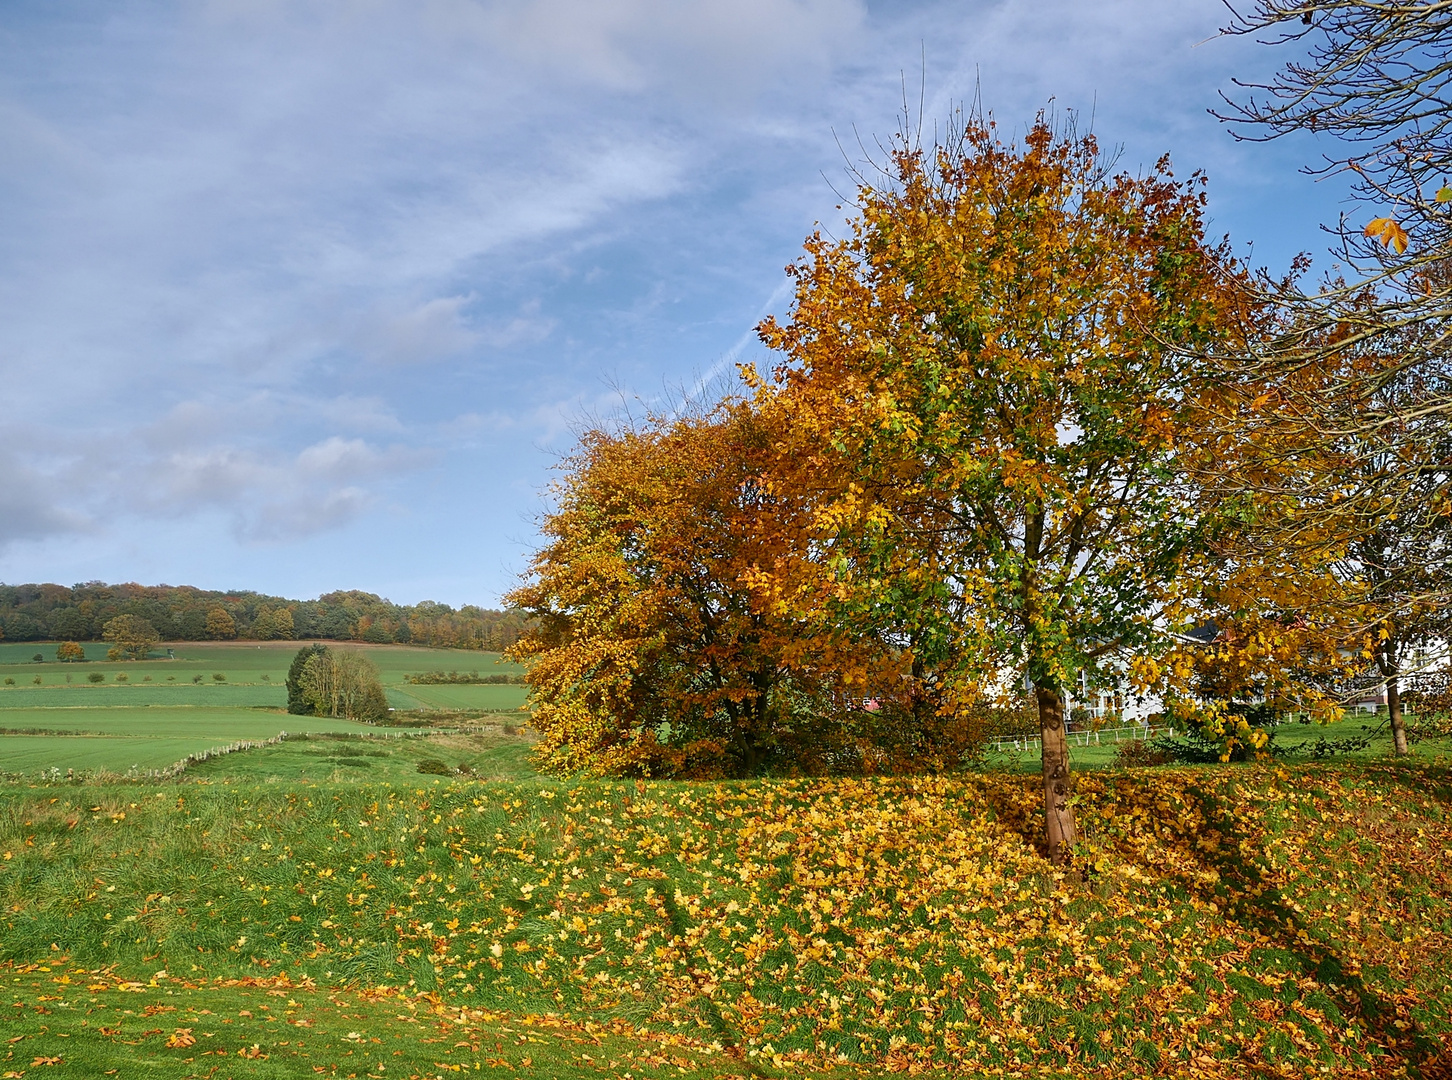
column 1261, row 920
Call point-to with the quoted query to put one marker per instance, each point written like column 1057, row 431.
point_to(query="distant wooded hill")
column 182, row 613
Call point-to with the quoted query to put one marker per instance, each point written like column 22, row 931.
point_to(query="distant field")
column 468, row 697
column 253, row 673
column 134, row 694
column 158, row 722
column 1089, row 751
column 117, row 739
column 166, row 709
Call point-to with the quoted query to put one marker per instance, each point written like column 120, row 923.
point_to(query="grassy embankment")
column 1235, row 921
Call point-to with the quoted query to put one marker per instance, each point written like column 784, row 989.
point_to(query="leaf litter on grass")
column 1227, row 922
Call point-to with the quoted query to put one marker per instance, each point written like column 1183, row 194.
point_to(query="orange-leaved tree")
column 657, row 648
column 982, row 386
column 1334, row 541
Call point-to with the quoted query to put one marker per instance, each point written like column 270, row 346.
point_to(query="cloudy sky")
column 298, row 295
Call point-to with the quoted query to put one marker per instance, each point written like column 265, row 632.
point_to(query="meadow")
column 320, row 905
column 149, row 714
column 1228, row 921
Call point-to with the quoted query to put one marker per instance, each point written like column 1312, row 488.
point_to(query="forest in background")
column 47, row 612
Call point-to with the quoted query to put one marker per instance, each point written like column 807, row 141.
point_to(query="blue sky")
column 298, row 295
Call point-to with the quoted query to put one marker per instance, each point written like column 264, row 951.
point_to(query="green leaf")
column 1444, row 194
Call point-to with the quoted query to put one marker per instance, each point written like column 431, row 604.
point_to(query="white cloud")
column 434, row 330
column 272, row 268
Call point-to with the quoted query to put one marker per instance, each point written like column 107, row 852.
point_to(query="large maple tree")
column 985, row 391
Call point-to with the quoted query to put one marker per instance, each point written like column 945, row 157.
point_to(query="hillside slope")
column 1232, row 922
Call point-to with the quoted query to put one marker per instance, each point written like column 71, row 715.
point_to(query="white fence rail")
column 1129, row 733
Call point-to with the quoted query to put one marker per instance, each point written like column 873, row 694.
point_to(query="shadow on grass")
column 1254, row 902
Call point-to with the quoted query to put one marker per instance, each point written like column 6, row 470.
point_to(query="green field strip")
column 168, row 722
column 134, row 694
column 121, row 739
column 466, row 696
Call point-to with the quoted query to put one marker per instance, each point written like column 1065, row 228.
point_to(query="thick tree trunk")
column 1058, row 815
column 1394, row 714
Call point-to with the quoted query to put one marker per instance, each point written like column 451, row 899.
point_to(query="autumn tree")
column 220, row 625
column 131, row 637
column 983, row 369
column 655, row 650
column 1358, row 372
column 69, row 650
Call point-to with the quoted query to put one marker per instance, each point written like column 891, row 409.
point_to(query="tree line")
column 1029, row 432
column 80, row 613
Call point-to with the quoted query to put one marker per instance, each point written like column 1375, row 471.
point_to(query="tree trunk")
column 1058, row 815
column 1394, row 714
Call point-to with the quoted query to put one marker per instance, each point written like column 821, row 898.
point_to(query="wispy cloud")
column 276, row 272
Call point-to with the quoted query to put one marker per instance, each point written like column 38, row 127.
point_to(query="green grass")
column 92, row 1023
column 254, row 675
column 468, row 696
column 1090, row 752
column 1231, row 921
column 160, row 715
column 492, row 755
column 133, row 694
column 245, row 661
column 119, row 739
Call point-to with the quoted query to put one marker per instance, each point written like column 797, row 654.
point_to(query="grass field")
column 120, row 739
column 1232, row 921
column 491, row 755
column 166, row 709
column 69, row 1022
column 1090, row 751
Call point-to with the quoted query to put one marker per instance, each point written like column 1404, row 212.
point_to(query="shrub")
column 95, row 676
column 171, row 678
column 266, row 677
column 121, row 676
column 36, row 680
column 38, row 658
column 435, row 767
column 217, row 676
column 146, row 678
column 430, row 678
column 1430, row 726
column 196, row 678
column 9, row 681
column 1137, row 754
column 1201, row 747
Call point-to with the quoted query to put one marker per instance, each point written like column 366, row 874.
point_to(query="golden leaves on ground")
column 1246, row 921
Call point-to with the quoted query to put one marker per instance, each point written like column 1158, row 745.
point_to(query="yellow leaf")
column 1388, row 231
column 1444, row 194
